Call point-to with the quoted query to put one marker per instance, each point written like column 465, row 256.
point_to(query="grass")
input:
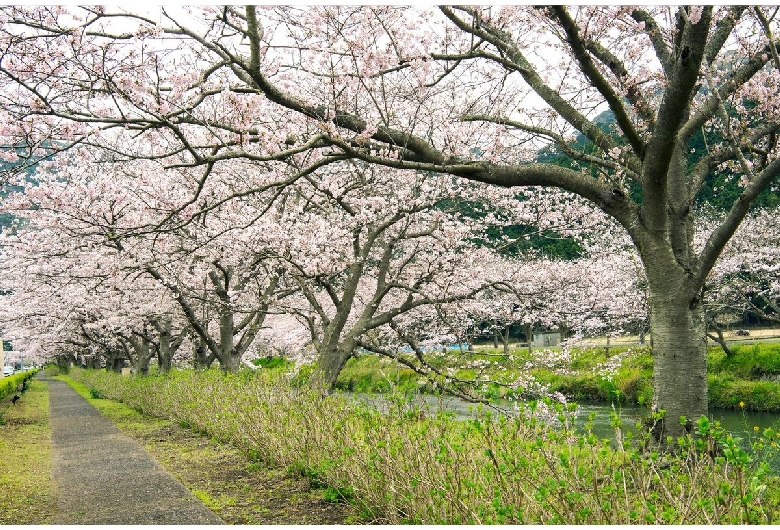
column 749, row 361
column 749, row 379
column 25, row 458
column 620, row 375
column 231, row 482
column 408, row 465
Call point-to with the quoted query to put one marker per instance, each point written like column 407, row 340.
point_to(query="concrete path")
column 101, row 476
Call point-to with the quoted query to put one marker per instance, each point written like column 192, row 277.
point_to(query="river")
column 739, row 423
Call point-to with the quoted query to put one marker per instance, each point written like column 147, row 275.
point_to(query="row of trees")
column 115, row 265
column 110, row 269
column 251, row 102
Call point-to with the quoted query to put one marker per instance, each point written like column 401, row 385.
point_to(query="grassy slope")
column 748, row 379
column 404, row 466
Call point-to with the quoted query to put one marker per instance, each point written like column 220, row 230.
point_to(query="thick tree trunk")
column 329, row 366
column 230, row 363
column 165, row 353
column 93, row 361
column 200, row 357
column 143, row 356
column 115, row 364
column 679, row 359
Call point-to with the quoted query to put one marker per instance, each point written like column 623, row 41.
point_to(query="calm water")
column 740, row 424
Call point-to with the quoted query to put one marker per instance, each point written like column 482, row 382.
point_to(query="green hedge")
column 9, row 384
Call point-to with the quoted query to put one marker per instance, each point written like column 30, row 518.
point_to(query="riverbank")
column 404, row 465
column 620, row 374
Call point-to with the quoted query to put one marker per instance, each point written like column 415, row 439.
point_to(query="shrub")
column 9, row 385
column 272, row 363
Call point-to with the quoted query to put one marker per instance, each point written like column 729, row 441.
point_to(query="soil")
column 239, row 489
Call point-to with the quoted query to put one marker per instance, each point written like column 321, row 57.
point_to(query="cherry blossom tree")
column 665, row 74
column 462, row 91
column 69, row 292
column 208, row 267
column 745, row 280
column 365, row 251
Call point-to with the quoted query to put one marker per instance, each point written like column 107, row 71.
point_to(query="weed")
column 338, row 494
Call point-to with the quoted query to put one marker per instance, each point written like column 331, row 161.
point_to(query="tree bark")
column 230, row 363
column 677, row 329
column 200, row 356
column 228, row 360
column 144, row 354
column 329, row 366
column 167, row 345
column 165, row 352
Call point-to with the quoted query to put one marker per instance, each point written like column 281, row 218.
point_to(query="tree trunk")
column 230, row 363
column 115, row 364
column 165, row 351
column 679, row 358
column 330, row 364
column 143, row 356
column 228, row 358
column 200, row 357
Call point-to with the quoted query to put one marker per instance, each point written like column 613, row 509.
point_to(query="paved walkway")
column 101, row 476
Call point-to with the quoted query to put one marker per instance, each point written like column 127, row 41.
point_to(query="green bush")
column 273, row 363
column 10, row 384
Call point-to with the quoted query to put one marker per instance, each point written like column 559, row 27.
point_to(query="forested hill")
column 6, row 219
column 720, row 190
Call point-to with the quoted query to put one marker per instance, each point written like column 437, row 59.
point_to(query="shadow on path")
column 101, row 476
